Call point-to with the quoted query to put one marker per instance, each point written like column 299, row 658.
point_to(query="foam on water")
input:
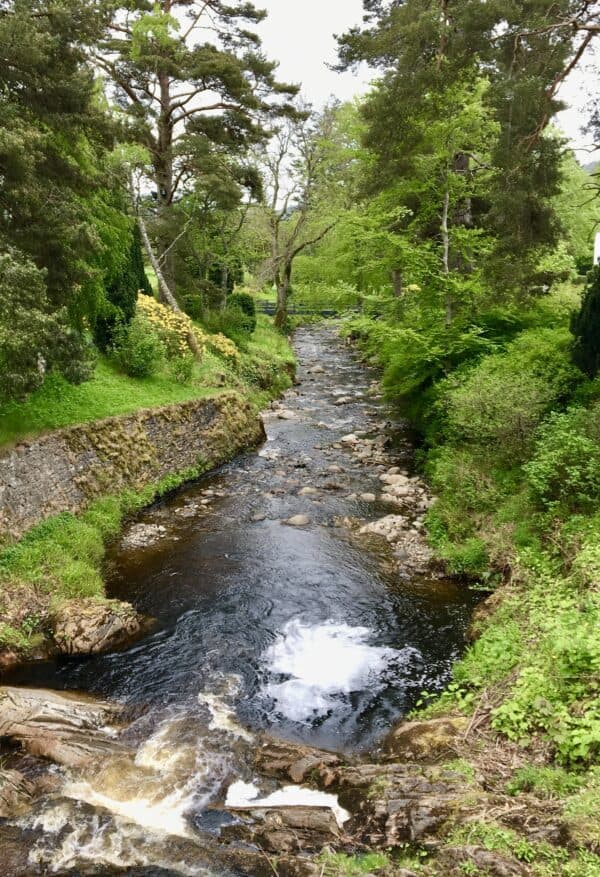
column 241, row 794
column 322, row 662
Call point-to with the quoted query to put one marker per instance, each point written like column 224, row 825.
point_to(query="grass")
column 58, row 404
column 62, row 558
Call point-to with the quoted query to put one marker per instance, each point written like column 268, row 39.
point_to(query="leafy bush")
column 224, row 348
column 34, row 339
column 121, row 294
column 544, row 781
column 137, row 349
column 172, row 327
column 231, row 322
column 246, row 303
column 564, row 471
column 499, row 403
column 181, row 368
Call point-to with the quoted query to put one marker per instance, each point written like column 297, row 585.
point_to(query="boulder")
column 16, row 792
column 292, row 761
column 284, row 829
column 425, row 741
column 87, row 627
column 142, row 535
column 66, row 728
column 297, row 521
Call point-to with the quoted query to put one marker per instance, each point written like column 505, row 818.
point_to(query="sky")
column 299, row 34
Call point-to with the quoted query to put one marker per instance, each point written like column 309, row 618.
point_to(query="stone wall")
column 67, row 469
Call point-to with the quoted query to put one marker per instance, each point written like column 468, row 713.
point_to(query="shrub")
column 34, row 337
column 245, row 302
column 231, row 322
column 499, row 403
column 564, row 471
column 172, row 327
column 181, row 368
column 121, row 294
column 224, row 348
column 137, row 349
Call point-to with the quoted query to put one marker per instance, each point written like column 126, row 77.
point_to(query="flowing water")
column 303, row 632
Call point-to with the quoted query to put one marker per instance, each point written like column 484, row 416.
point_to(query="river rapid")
column 305, row 632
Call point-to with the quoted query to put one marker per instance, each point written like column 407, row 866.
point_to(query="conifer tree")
column 191, row 79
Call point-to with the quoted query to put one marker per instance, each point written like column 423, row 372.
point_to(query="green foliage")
column 564, row 471
column 581, row 814
column 137, row 349
column 34, row 338
column 122, row 290
column 585, row 327
column 501, row 401
column 544, row 781
column 246, row 303
column 181, row 368
column 342, row 865
column 232, row 322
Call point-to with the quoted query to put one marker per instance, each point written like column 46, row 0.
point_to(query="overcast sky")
column 299, row 34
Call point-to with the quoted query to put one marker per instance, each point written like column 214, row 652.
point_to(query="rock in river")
column 297, row 521
column 87, row 627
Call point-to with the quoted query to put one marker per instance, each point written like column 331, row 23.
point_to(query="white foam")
column 241, row 794
column 165, row 815
column 322, row 661
column 223, row 717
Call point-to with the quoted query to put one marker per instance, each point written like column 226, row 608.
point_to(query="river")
column 305, row 632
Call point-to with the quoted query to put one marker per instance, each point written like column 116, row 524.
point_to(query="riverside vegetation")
column 449, row 218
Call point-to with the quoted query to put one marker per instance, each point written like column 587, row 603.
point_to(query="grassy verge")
column 58, row 404
column 62, row 558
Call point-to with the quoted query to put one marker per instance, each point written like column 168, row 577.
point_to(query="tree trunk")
column 167, row 295
column 163, row 174
column 224, row 287
column 397, row 281
column 446, row 256
column 284, row 283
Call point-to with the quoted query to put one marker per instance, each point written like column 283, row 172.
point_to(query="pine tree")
column 185, row 96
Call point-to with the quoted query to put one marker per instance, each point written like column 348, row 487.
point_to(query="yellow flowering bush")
column 172, row 327
column 224, row 347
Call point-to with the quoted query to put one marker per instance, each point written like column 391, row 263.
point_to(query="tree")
column 424, row 52
column 585, row 327
column 34, row 336
column 53, row 141
column 303, row 195
column 185, row 97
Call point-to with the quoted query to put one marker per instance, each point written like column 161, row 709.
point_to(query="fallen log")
column 69, row 729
